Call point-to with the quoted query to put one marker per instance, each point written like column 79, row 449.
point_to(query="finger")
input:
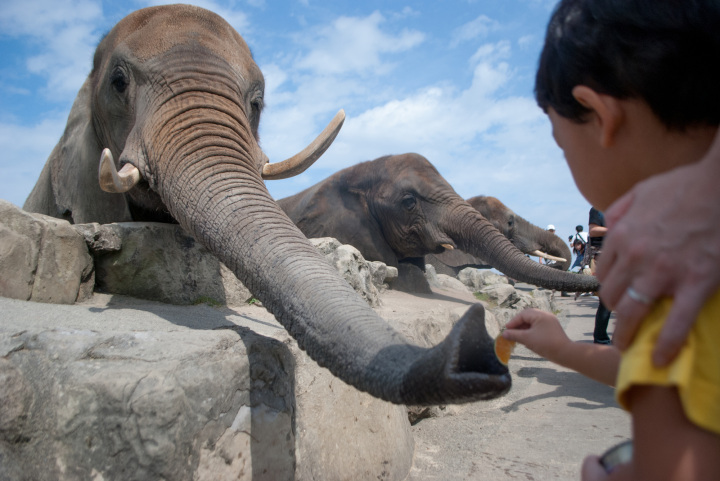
column 516, row 335
column 618, row 209
column 525, row 318
column 614, row 285
column 686, row 307
column 629, row 313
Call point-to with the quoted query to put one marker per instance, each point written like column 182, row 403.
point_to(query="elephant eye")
column 119, row 80
column 408, row 203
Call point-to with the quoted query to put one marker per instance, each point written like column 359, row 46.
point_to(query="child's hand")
column 539, row 331
column 592, row 470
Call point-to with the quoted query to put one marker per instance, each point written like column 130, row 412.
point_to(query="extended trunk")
column 217, row 194
column 477, row 236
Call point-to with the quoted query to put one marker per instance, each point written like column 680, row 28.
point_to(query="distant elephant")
column 528, row 238
column 175, row 97
column 398, row 209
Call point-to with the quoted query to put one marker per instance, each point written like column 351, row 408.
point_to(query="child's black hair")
column 665, row 52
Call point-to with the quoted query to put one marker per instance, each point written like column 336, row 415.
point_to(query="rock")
column 501, row 295
column 82, row 404
column 476, row 279
column 42, row 258
column 537, row 298
column 383, row 275
column 351, row 265
column 163, row 263
column 450, row 283
column 183, row 393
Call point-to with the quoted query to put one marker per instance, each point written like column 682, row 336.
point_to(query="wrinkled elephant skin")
column 528, row 238
column 398, row 209
column 174, row 93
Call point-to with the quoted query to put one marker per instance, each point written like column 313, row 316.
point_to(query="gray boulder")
column 120, row 389
column 476, row 279
column 42, row 258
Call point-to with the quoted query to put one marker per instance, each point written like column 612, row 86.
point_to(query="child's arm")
column 541, row 332
column 667, row 446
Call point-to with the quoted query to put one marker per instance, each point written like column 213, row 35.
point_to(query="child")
column 631, row 88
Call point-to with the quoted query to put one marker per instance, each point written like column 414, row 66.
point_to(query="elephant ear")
column 333, row 209
column 68, row 186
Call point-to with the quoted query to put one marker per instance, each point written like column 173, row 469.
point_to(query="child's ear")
column 609, row 114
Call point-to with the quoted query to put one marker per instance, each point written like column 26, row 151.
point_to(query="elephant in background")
column 174, row 100
column 528, row 238
column 398, row 209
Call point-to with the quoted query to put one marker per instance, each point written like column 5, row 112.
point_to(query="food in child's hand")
column 503, row 348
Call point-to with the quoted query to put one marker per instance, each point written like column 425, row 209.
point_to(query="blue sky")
column 449, row 79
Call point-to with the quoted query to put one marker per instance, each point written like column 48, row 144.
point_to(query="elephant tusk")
column 113, row 181
column 447, row 246
column 299, row 162
column 547, row 256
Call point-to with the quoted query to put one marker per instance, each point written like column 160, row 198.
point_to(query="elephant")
column 528, row 238
column 398, row 209
column 173, row 101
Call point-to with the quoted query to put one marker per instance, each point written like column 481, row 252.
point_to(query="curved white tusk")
column 113, row 181
column 447, row 246
column 547, row 256
column 299, row 162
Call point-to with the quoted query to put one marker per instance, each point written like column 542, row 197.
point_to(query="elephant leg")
column 411, row 277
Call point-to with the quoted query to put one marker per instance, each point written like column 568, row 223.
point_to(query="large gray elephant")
column 175, row 97
column 398, row 209
column 528, row 238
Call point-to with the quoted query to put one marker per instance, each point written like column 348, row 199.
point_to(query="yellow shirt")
column 695, row 372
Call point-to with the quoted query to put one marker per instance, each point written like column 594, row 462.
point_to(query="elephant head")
column 528, row 238
column 398, row 209
column 176, row 97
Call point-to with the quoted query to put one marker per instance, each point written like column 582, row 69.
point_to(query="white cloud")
column 25, row 150
column 480, row 27
column 355, row 45
column 65, row 32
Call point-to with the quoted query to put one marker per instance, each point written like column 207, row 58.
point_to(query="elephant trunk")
column 477, row 236
column 542, row 240
column 217, row 194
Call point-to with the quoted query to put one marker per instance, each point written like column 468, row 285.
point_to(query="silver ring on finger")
column 639, row 297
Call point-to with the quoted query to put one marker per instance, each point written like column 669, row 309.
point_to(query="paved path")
column 541, row 430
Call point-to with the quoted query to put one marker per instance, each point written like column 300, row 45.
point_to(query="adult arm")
column 664, row 240
column 541, row 332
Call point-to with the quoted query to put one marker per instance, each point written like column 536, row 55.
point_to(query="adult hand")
column 664, row 240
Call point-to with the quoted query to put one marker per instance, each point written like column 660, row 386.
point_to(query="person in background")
column 578, row 249
column 596, row 234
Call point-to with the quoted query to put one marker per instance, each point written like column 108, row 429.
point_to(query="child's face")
column 598, row 175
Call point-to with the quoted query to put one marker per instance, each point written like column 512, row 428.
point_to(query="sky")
column 449, row 79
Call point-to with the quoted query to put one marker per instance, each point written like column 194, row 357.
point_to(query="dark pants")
column 602, row 318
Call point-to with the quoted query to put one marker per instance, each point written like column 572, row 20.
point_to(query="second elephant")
column 398, row 209
column 528, row 238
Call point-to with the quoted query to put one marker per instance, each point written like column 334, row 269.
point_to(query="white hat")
column 550, row 227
